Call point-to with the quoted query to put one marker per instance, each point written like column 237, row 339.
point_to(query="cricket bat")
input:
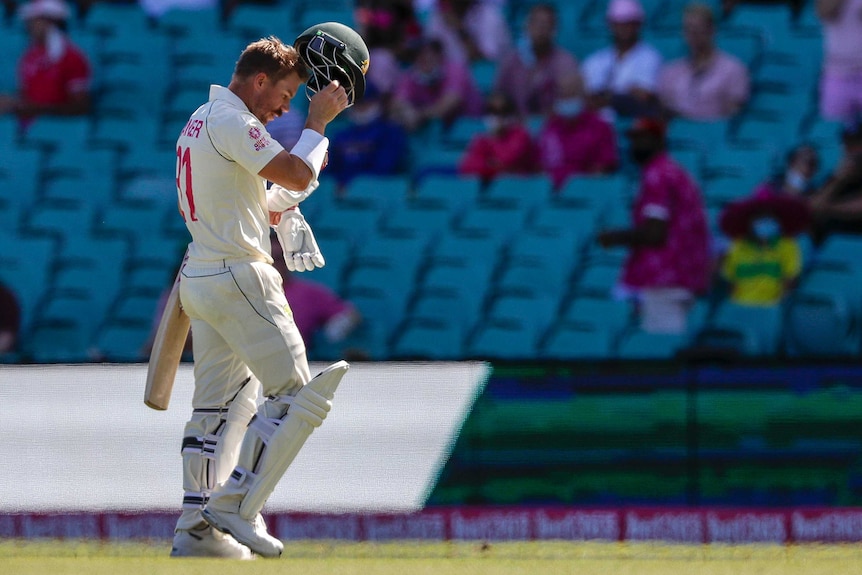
column 170, row 339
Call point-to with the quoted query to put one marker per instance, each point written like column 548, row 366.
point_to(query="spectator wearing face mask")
column 764, row 259
column 435, row 87
column 371, row 143
column 575, row 139
column 797, row 177
column 506, row 147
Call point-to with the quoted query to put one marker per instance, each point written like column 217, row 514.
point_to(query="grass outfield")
column 413, row 558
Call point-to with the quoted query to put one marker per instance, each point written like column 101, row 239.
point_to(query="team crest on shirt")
column 260, row 141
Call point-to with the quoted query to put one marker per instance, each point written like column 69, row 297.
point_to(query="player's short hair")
column 272, row 57
column 700, row 10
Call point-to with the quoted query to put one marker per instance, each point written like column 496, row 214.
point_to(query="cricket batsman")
column 246, row 345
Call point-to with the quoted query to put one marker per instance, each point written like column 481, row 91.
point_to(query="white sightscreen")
column 79, row 437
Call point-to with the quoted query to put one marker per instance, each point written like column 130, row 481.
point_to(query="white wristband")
column 311, row 149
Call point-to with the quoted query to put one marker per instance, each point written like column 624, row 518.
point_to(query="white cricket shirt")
column 219, row 154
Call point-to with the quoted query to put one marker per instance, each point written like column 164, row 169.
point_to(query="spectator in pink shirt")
column 575, row 139
column 669, row 261
column 507, row 147
column 470, row 30
column 707, row 84
column 841, row 77
column 435, row 88
column 532, row 73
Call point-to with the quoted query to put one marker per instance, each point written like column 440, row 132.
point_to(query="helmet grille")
column 322, row 54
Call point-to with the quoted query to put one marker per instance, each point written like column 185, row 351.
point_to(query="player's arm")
column 299, row 168
column 651, row 233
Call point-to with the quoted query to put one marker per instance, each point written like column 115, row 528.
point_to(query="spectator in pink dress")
column 507, row 147
column 669, row 261
column 622, row 78
column 435, row 88
column 470, row 30
column 708, row 83
column 841, row 76
column 575, row 139
column 531, row 73
column 54, row 75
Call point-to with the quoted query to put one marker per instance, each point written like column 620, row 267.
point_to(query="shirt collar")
column 221, row 93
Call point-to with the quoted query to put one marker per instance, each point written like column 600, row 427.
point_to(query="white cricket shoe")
column 250, row 533
column 207, row 542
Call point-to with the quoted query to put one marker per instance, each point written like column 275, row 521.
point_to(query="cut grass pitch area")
column 50, row 557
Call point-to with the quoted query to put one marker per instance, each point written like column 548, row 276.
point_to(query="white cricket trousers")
column 664, row 310
column 241, row 325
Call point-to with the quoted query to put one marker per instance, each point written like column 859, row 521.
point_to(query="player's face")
column 272, row 99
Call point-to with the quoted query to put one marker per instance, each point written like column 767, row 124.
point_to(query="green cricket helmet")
column 333, row 51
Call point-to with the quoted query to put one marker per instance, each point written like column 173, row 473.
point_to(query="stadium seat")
column 524, row 192
column 821, row 323
column 503, row 339
column 252, row 21
column 597, row 280
column 451, row 191
column 26, row 270
column 535, row 312
column 60, row 341
column 574, row 341
column 637, row 344
column 595, row 192
column 593, row 312
column 381, row 308
column 580, row 223
column 52, row 132
column 534, row 277
column 423, row 338
column 441, row 303
column 385, row 192
column 758, row 329
column 122, row 341
column 503, row 223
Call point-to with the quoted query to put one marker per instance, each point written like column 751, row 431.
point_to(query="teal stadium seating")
column 415, row 250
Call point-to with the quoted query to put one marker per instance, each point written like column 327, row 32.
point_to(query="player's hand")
column 327, row 103
column 301, row 253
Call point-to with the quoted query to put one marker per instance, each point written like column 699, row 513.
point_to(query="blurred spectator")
column 506, row 147
column 575, row 140
column 797, row 175
column 287, row 128
column 837, row 205
column 53, row 74
column 623, row 76
column 764, row 259
column 370, row 144
column 841, row 75
column 470, row 30
column 669, row 260
column 531, row 73
column 392, row 32
column 315, row 307
column 708, row 84
column 435, row 88
column 10, row 320
column 155, row 9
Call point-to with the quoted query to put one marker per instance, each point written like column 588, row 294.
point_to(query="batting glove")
column 301, row 253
